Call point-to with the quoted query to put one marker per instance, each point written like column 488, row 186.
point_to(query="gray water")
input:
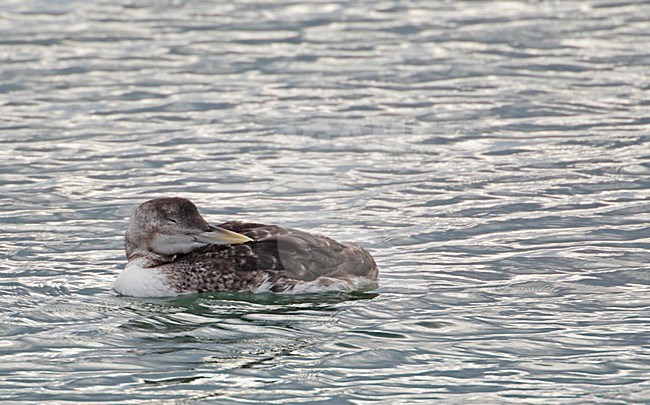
column 494, row 157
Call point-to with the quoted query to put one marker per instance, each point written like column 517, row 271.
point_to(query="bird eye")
column 171, row 220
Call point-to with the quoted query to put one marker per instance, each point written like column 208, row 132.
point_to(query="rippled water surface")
column 494, row 157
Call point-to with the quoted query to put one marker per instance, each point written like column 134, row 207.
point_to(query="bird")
column 172, row 250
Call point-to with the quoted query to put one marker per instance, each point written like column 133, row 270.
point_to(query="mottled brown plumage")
column 173, row 250
column 281, row 256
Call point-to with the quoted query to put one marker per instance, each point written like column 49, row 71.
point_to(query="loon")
column 172, row 250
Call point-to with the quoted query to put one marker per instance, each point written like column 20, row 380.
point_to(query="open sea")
column 494, row 157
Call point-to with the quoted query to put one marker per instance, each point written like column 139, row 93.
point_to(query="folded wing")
column 295, row 254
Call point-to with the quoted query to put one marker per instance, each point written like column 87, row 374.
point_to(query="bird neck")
column 148, row 259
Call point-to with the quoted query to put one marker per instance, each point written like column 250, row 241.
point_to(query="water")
column 493, row 157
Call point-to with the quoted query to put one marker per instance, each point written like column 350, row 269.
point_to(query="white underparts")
column 137, row 281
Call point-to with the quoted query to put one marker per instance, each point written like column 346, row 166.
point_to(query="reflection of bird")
column 172, row 250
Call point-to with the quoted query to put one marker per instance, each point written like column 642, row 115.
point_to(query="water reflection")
column 493, row 159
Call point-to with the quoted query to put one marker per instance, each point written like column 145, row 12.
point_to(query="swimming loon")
column 172, row 250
